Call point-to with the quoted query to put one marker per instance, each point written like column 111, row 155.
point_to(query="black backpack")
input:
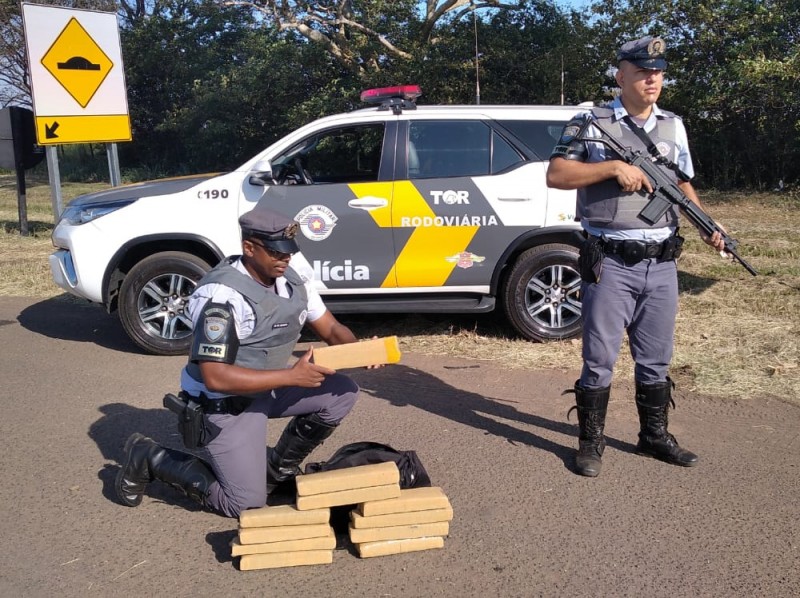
column 412, row 472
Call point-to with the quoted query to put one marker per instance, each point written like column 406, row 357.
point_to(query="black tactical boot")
column 652, row 402
column 302, row 435
column 591, row 405
column 145, row 461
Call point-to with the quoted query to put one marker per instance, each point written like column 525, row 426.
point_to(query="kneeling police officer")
column 248, row 313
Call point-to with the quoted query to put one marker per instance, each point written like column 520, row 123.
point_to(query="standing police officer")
column 248, row 313
column 628, row 267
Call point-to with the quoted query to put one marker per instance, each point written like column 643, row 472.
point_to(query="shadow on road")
column 111, row 430
column 66, row 319
column 402, row 386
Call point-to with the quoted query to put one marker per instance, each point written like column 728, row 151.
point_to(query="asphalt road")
column 497, row 441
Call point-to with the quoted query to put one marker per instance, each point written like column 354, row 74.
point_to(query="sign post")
column 77, row 78
column 19, row 152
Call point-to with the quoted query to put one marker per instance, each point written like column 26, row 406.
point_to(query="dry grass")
column 737, row 335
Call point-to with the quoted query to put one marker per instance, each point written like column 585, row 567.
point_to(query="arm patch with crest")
column 570, row 145
column 215, row 337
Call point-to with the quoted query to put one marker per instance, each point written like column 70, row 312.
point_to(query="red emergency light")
column 379, row 95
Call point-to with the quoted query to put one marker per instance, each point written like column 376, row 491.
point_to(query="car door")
column 466, row 195
column 321, row 179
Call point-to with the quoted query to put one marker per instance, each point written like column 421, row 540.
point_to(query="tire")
column 541, row 295
column 152, row 301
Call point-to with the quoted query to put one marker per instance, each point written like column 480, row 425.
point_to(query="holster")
column 193, row 425
column 673, row 248
column 590, row 259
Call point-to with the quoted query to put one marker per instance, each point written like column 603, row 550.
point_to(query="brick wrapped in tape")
column 322, row 543
column 347, row 497
column 263, row 535
column 282, row 515
column 410, row 499
column 386, row 547
column 348, row 478
column 376, row 351
column 398, row 532
column 250, row 562
column 407, row 518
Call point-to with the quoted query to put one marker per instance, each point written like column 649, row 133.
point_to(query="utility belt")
column 632, row 251
column 233, row 405
column 193, row 424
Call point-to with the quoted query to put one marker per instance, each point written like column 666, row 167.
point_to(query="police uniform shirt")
column 243, row 315
column 596, row 152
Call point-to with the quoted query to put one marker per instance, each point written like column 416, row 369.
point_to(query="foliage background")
column 210, row 82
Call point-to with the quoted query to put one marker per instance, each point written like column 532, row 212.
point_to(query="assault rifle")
column 666, row 193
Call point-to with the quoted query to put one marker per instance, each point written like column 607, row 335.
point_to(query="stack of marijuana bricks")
column 283, row 536
column 386, row 520
column 418, row 519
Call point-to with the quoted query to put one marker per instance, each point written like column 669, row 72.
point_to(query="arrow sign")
column 50, row 131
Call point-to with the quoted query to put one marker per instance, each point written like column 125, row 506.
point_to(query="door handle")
column 368, row 203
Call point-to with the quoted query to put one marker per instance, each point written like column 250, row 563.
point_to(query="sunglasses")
column 274, row 254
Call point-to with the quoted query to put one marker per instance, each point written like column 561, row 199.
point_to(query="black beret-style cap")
column 274, row 230
column 646, row 53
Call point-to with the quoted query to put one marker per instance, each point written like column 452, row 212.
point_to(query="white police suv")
column 402, row 208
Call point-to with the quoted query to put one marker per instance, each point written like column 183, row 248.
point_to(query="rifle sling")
column 651, row 147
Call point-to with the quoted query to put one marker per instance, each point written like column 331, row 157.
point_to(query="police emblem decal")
column 656, row 47
column 663, row 149
column 214, row 328
column 465, row 259
column 316, row 222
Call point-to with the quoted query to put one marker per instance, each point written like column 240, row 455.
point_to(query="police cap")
column 646, row 53
column 274, row 230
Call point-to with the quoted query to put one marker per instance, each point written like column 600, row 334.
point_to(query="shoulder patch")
column 573, row 128
column 216, row 321
column 215, row 336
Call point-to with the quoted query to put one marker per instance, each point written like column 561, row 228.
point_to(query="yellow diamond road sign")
column 77, row 77
column 77, row 62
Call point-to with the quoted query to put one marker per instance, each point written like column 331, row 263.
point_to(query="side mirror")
column 261, row 178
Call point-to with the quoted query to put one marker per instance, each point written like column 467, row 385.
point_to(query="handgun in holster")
column 191, row 424
column 590, row 260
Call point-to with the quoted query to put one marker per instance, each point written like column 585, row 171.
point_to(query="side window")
column 344, row 155
column 438, row 149
column 503, row 154
column 539, row 135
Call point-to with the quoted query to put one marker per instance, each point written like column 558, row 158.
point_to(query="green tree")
column 367, row 36
column 183, row 61
column 527, row 52
column 15, row 84
column 734, row 75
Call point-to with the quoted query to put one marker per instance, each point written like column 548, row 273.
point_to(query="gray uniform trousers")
column 642, row 299
column 238, row 454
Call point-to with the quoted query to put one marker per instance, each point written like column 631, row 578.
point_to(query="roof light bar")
column 379, row 95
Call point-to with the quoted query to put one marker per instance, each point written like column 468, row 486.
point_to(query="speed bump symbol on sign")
column 77, row 63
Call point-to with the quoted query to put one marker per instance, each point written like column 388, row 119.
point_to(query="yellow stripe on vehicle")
column 423, row 261
column 381, row 216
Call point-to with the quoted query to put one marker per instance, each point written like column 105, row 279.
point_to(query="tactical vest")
column 278, row 320
column 604, row 204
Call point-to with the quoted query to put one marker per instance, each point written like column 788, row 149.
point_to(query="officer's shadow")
column 401, row 386
column 111, row 430
column 117, row 422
